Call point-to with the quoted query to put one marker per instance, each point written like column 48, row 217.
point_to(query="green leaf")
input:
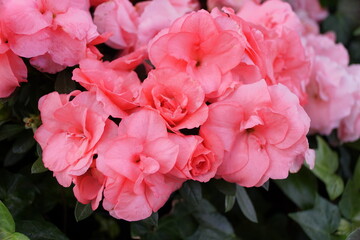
column 325, row 166
column 141, row 228
column 10, row 130
column 40, row 230
column 6, row 220
column 351, row 9
column 16, row 191
column 17, row 236
column 225, row 187
column 191, row 192
column 355, row 235
column 245, row 204
column 301, row 188
column 38, row 166
column 340, row 24
column 82, row 211
column 24, row 142
column 319, row 222
column 349, row 203
column 64, row 83
column 229, row 202
column 208, row 217
column 209, row 234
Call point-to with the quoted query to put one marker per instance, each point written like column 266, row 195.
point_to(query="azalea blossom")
column 261, row 130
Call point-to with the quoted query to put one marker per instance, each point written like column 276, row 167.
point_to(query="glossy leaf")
column 300, row 188
column 325, row 166
column 191, row 192
column 6, row 220
column 82, row 211
column 38, row 166
column 40, row 230
column 229, row 202
column 245, row 204
column 319, row 222
column 354, row 235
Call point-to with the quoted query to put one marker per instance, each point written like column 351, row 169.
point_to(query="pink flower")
column 331, row 87
column 178, row 98
column 56, row 31
column 195, row 161
column 349, row 129
column 285, row 58
column 134, row 26
column 120, row 18
column 12, row 70
column 188, row 45
column 261, row 130
column 311, row 7
column 77, row 135
column 136, row 164
column 234, row 4
column 115, row 86
column 89, row 187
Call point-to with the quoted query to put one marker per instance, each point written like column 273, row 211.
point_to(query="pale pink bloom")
column 272, row 14
column 136, row 164
column 134, row 26
column 177, row 97
column 120, row 18
column 115, row 86
column 195, row 161
column 274, row 51
column 331, row 87
column 261, row 130
column 13, row 70
column 56, row 31
column 189, row 46
column 349, row 129
column 312, row 8
column 74, row 126
column 234, row 4
column 89, row 187
column 159, row 14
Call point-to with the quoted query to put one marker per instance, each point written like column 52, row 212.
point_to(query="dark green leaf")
column 141, row 228
column 38, row 166
column 300, row 188
column 10, row 130
column 208, row 217
column 6, row 220
column 12, row 158
column 349, row 203
column 16, row 191
column 24, row 142
column 209, row 234
column 191, row 192
column 325, row 166
column 82, row 211
column 229, row 202
column 266, row 185
column 64, row 83
column 319, row 222
column 40, row 230
column 245, row 204
column 354, row 235
column 225, row 187
column 341, row 25
column 351, row 9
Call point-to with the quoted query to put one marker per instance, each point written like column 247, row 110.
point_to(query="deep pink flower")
column 195, row 161
column 177, row 97
column 136, row 164
column 77, row 135
column 261, row 130
column 56, row 31
column 89, row 187
column 115, row 86
column 189, row 46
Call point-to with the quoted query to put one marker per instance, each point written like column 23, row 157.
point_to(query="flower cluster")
column 227, row 94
